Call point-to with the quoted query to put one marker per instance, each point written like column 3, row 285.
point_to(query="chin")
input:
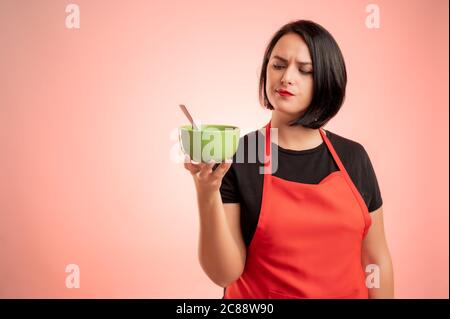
column 288, row 111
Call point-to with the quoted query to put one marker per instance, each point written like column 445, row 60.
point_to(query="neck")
column 294, row 137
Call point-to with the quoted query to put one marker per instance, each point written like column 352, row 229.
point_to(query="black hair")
column 329, row 75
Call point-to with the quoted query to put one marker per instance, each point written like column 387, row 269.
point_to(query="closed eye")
column 279, row 67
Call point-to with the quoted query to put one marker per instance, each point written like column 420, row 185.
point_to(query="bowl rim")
column 232, row 128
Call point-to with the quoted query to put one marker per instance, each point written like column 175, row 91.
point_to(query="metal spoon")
column 188, row 115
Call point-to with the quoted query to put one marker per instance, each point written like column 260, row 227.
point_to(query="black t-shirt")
column 243, row 183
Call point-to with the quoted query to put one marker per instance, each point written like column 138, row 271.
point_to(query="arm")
column 221, row 247
column 375, row 252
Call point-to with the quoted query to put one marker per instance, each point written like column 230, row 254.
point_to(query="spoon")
column 188, row 115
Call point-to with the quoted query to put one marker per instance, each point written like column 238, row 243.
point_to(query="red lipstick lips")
column 284, row 92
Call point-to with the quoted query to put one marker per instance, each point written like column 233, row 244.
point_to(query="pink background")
column 88, row 122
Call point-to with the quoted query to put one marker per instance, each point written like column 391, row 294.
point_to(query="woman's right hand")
column 206, row 179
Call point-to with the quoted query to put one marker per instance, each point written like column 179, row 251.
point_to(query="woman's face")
column 290, row 69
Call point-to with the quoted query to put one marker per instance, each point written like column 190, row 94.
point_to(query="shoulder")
column 356, row 161
column 248, row 147
column 255, row 134
column 350, row 149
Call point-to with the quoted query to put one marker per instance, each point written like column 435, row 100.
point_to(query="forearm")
column 382, row 287
column 218, row 252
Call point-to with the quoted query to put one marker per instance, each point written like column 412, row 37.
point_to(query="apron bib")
column 308, row 240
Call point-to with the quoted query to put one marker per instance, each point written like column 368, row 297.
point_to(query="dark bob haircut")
column 329, row 75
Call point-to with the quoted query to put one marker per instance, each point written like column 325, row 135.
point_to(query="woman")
column 311, row 225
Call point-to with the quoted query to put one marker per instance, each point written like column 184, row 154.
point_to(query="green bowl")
column 211, row 142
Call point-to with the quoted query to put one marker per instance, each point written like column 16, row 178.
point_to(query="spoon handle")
column 188, row 115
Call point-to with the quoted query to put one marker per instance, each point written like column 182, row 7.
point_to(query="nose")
column 285, row 82
column 287, row 77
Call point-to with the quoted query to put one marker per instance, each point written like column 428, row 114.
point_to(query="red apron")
column 308, row 240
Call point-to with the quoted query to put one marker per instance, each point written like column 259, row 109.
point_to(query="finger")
column 206, row 169
column 191, row 167
column 222, row 169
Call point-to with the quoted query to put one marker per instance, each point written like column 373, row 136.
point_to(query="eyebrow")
column 284, row 60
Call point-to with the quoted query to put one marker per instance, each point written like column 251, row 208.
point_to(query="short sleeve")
column 229, row 190
column 371, row 190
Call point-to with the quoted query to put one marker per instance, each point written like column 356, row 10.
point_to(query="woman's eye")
column 279, row 67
